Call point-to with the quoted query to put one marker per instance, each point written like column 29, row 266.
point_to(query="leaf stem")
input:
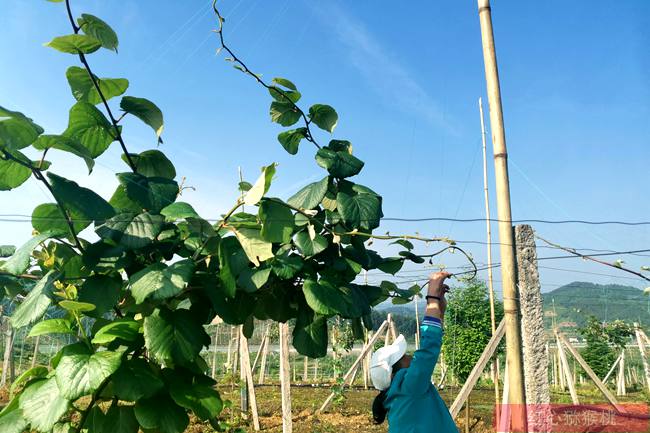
column 82, row 57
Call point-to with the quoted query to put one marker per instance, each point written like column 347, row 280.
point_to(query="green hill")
column 575, row 302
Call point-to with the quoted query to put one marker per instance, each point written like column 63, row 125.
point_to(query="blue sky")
column 404, row 78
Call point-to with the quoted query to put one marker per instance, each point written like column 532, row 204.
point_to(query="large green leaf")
column 323, row 116
column 82, row 202
column 103, row 291
column 75, row 44
column 159, row 281
column 153, row 163
column 261, row 186
column 152, row 193
column 284, row 113
column 36, row 302
column 12, row 174
column 19, row 261
column 48, row 216
column 81, row 372
column 161, row 414
column 17, row 130
column 286, row 266
column 66, row 144
column 281, row 95
column 174, row 336
column 95, row 27
column 251, row 279
column 118, row 419
column 359, row 207
column 12, row 419
column 135, row 379
column 51, row 326
column 131, row 230
column 146, row 111
column 179, row 210
column 232, row 260
column 90, row 127
column 256, row 248
column 122, row 329
column 324, row 298
column 7, row 250
column 42, row 404
column 311, row 195
column 310, row 333
column 285, row 83
column 308, row 246
column 195, row 393
column 277, row 221
column 83, row 88
column 290, row 140
column 340, row 163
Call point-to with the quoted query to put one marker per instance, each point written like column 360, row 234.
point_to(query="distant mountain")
column 575, row 302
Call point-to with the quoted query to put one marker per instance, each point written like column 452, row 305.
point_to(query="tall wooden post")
column 644, row 359
column 8, row 358
column 285, row 382
column 486, row 196
column 36, row 347
column 517, row 393
column 243, row 357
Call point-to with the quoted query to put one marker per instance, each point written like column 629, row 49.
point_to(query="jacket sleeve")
column 418, row 375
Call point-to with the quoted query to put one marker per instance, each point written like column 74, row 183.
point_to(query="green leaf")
column 12, row 419
column 308, row 246
column 152, row 193
column 42, row 404
column 358, row 207
column 36, row 302
column 232, row 260
column 255, row 247
column 311, row 195
column 66, row 144
column 262, row 185
column 290, row 140
column 131, row 230
column 405, row 243
column 17, row 130
column 80, row 372
column 195, row 393
column 19, row 261
column 122, row 203
column 51, row 326
column 174, row 336
column 89, row 126
column 310, row 333
column 323, row 116
column 277, row 221
column 76, row 306
column 75, row 44
column 82, row 202
column 412, row 257
column 391, row 265
column 251, row 280
column 93, row 26
column 124, row 329
column 159, row 281
column 12, row 174
column 146, row 111
column 118, row 419
column 339, row 164
column 284, row 113
column 83, row 88
column 152, row 163
column 37, row 372
column 285, row 266
column 135, row 380
column 160, row 413
column 102, row 291
column 281, row 95
column 324, row 298
column 7, row 250
column 179, row 210
column 284, row 83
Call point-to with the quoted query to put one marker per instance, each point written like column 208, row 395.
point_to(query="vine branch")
column 114, row 122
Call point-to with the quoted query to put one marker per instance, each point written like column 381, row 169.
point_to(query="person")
column 407, row 396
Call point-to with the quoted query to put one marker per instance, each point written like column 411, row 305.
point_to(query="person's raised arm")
column 418, row 374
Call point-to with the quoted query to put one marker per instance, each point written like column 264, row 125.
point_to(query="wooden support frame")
column 285, row 381
column 364, row 352
column 608, row 395
column 566, row 371
column 487, row 354
column 639, row 339
column 248, row 377
column 611, row 370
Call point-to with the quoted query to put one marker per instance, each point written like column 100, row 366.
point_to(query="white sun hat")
column 382, row 361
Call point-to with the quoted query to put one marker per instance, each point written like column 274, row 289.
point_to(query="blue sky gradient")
column 404, row 78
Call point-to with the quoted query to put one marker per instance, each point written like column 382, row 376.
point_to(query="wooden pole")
column 611, row 370
column 265, row 352
column 366, row 349
column 285, row 384
column 248, row 379
column 620, row 388
column 568, row 379
column 417, row 323
column 467, row 415
column 35, row 357
column 639, row 340
column 601, row 387
column 506, row 235
column 8, row 359
column 243, row 390
column 214, row 355
column 473, row 377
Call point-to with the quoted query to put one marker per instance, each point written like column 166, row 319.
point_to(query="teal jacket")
column 413, row 403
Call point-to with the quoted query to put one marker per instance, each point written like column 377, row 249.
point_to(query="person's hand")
column 437, row 287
